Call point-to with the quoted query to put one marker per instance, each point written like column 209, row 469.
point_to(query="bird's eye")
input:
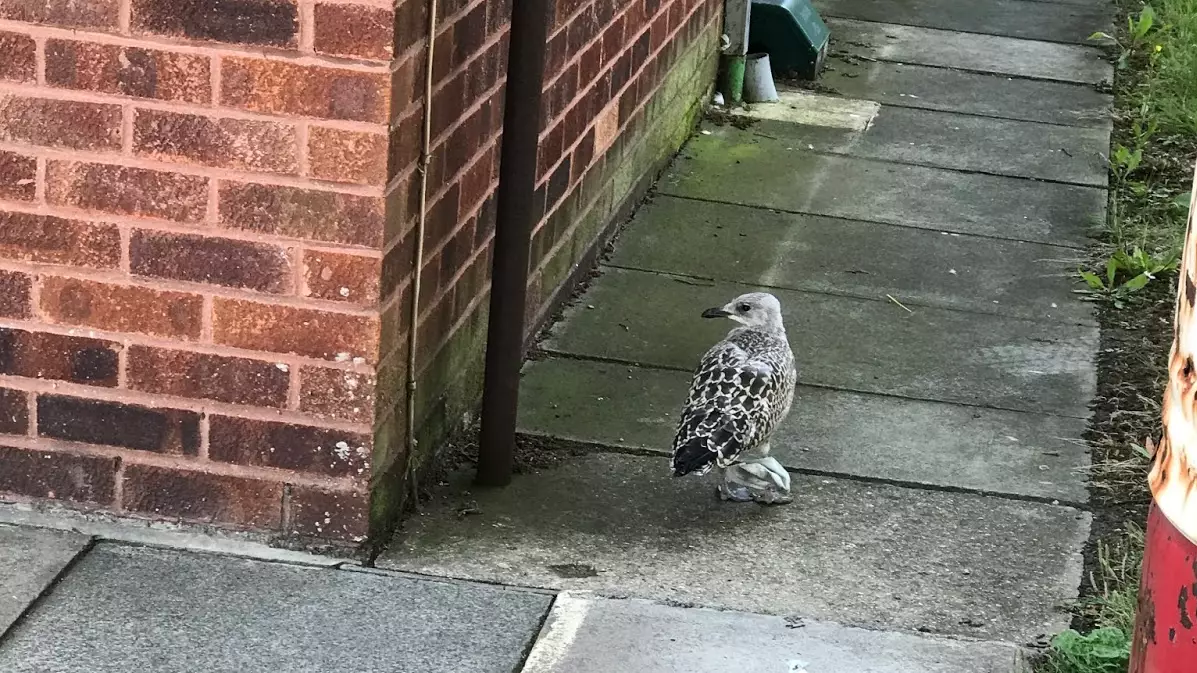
column 743, row 308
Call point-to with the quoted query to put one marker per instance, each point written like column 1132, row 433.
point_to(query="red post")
column 1166, row 620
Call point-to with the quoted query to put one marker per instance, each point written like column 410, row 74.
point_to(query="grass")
column 1133, row 277
column 1155, row 136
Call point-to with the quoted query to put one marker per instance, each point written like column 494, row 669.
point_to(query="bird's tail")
column 693, row 456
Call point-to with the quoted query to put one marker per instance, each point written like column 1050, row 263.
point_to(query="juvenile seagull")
column 742, row 390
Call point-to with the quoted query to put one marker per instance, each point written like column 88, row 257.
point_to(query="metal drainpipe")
column 418, row 264
column 517, row 214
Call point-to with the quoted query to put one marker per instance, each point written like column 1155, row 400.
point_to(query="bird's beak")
column 716, row 313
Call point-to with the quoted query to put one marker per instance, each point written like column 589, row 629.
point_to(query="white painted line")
column 565, row 620
column 811, row 109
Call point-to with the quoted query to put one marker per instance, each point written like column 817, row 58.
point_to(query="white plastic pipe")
column 758, row 80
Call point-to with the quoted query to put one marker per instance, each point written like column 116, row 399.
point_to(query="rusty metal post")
column 1165, row 638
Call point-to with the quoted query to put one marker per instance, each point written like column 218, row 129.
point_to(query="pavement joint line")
column 645, row 452
column 541, row 353
column 540, row 627
column 965, row 171
column 849, row 295
column 553, row 642
column 599, row 595
column 454, row 580
column 978, row 71
column 110, row 529
column 980, row 115
column 49, row 588
column 810, row 213
column 959, row 31
column 682, row 277
column 330, row 564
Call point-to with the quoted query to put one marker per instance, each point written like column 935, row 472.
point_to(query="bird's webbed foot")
column 733, row 492
column 772, row 481
column 753, row 482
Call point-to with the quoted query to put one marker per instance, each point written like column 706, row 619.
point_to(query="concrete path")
column 920, row 230
column 69, row 604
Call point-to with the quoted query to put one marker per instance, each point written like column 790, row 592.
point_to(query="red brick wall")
column 207, row 230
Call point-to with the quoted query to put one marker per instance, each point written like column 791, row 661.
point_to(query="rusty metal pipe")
column 517, row 214
column 1165, row 639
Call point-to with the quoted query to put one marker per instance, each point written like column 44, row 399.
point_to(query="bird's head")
column 759, row 310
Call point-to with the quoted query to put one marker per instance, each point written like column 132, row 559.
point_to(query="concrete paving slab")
column 1010, row 18
column 736, row 166
column 964, row 51
column 865, row 555
column 592, row 635
column 806, row 252
column 843, row 342
column 828, row 431
column 962, row 142
column 972, row 93
column 30, row 560
column 138, row 609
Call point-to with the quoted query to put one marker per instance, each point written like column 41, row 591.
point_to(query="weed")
column 1123, row 162
column 1105, row 650
column 1137, row 30
column 1126, row 273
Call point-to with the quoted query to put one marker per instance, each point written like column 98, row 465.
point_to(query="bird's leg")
column 773, row 476
column 777, row 472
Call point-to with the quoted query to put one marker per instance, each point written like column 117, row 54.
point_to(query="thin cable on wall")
column 425, row 158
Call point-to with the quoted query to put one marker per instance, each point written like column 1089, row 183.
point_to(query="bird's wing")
column 728, row 406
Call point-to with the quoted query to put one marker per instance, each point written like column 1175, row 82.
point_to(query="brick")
column 613, row 40
column 128, row 71
column 411, row 23
column 272, row 23
column 122, row 308
column 69, row 13
column 44, row 239
column 200, row 496
column 279, row 87
column 223, row 143
column 216, row 261
column 558, row 183
column 443, row 62
column 61, row 357
column 287, row 446
column 330, row 514
column 20, row 57
column 469, row 33
column 57, row 123
column 397, row 264
column 556, row 54
column 354, row 31
column 338, row 394
column 18, row 176
column 286, row 329
column 404, row 87
column 303, row 213
column 347, row 156
column 591, row 63
column 127, row 191
column 476, row 183
column 498, row 15
column 57, row 475
column 405, row 140
column 167, row 431
column 14, row 412
column 451, row 96
column 339, row 277
column 209, row 377
column 15, row 295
